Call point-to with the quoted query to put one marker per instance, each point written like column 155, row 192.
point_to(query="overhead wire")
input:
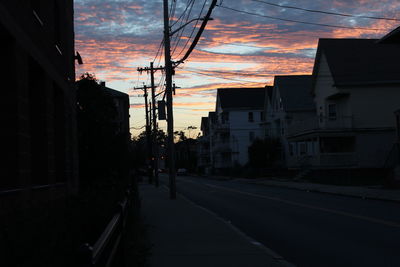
column 299, row 21
column 194, row 28
column 183, row 13
column 213, row 76
column 325, row 12
column 179, row 35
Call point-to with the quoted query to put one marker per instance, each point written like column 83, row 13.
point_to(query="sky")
column 246, row 44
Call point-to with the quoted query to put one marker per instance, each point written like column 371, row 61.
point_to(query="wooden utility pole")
column 148, row 132
column 155, row 150
column 155, row 130
column 170, row 116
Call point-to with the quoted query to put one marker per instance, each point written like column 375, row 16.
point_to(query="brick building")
column 38, row 122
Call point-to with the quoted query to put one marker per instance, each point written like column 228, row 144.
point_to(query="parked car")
column 181, row 171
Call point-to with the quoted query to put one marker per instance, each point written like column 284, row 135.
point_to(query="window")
column 303, row 148
column 251, row 118
column 332, row 111
column 280, row 104
column 251, row 136
column 291, row 150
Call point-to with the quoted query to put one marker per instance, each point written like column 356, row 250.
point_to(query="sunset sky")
column 246, row 45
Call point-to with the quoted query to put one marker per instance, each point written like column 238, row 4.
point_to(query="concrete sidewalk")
column 184, row 234
column 367, row 192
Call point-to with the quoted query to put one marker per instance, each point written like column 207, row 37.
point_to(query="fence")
column 108, row 249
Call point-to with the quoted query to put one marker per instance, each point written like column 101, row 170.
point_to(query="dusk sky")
column 246, row 45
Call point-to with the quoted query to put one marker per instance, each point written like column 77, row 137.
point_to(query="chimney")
column 102, row 83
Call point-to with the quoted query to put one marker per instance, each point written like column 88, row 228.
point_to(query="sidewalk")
column 367, row 192
column 184, row 234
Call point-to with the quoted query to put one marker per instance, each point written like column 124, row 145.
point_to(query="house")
column 39, row 166
column 290, row 101
column 121, row 102
column 356, row 87
column 206, row 144
column 203, row 152
column 239, row 112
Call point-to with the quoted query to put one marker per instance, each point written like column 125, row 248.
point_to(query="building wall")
column 243, row 133
column 37, row 112
column 364, row 112
column 372, row 148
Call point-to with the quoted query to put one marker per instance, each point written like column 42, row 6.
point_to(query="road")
column 306, row 228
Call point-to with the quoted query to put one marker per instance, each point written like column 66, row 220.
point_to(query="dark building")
column 38, row 122
column 121, row 102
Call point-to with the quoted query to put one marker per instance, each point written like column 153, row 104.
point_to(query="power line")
column 178, row 37
column 229, row 79
column 194, row 27
column 237, row 73
column 326, row 12
column 190, row 2
column 298, row 21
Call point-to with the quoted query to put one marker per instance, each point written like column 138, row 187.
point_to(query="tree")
column 181, row 135
column 263, row 152
column 140, row 147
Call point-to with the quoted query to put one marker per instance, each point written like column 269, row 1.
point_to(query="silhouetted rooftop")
column 392, row 37
column 360, row 61
column 295, row 92
column 241, row 98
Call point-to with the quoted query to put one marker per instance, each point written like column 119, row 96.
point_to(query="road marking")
column 337, row 212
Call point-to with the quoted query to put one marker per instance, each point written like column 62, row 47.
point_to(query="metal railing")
column 109, row 244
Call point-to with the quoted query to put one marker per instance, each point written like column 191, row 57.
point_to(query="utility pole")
column 155, row 145
column 155, row 151
column 148, row 132
column 170, row 116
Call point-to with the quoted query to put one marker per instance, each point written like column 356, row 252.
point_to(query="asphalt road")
column 306, row 228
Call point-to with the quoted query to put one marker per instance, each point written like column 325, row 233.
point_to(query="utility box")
column 161, row 110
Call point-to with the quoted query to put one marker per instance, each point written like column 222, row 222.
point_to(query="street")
column 307, row 229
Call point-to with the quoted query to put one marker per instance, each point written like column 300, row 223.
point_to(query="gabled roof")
column 295, row 92
column 392, row 37
column 241, row 98
column 360, row 61
column 115, row 93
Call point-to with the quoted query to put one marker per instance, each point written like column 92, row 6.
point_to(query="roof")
column 392, row 37
column 360, row 61
column 115, row 93
column 295, row 92
column 204, row 123
column 241, row 98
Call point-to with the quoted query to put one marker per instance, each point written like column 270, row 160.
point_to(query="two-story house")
column 356, row 88
column 291, row 101
column 239, row 113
